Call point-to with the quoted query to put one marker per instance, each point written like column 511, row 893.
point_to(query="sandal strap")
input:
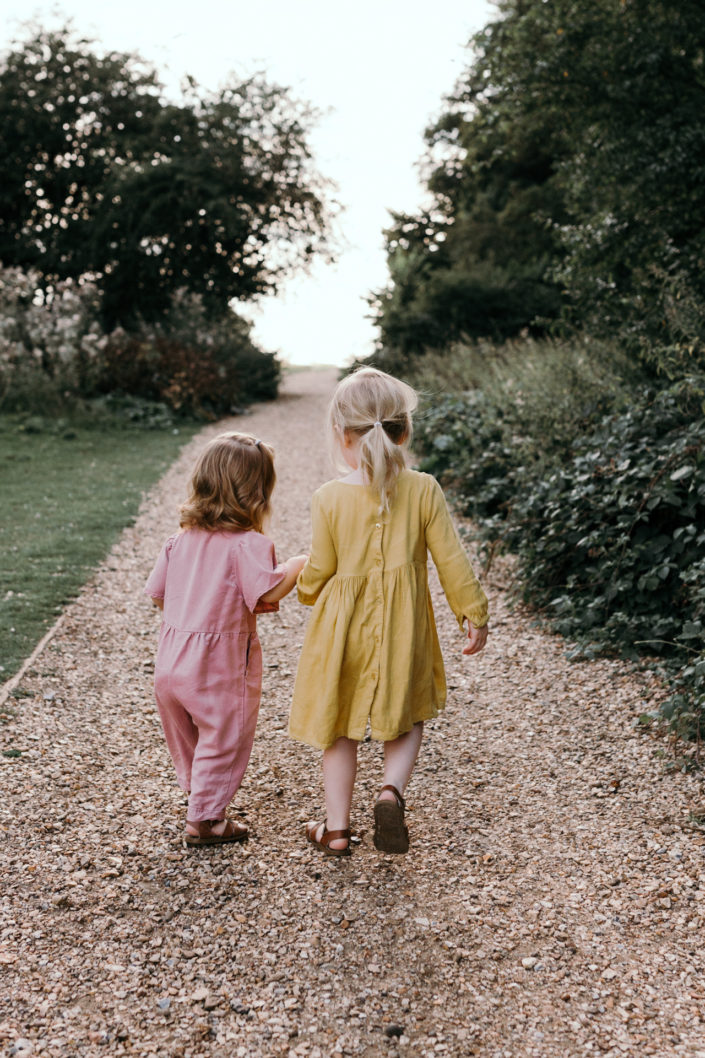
column 231, row 828
column 400, row 800
column 205, row 826
column 334, row 835
column 327, row 835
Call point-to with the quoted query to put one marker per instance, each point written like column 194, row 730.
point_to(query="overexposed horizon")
column 378, row 72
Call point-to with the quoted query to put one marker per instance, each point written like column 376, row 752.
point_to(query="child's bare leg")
column 399, row 759
column 339, row 771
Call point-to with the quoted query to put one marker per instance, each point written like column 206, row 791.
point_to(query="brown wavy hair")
column 231, row 485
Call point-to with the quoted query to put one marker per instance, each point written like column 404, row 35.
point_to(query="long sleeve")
column 323, row 560
column 462, row 588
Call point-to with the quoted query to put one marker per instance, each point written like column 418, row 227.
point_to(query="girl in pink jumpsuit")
column 211, row 579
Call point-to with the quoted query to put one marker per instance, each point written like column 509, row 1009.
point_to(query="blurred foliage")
column 56, row 359
column 195, row 364
column 628, row 81
column 101, row 176
column 479, row 260
column 50, row 341
column 496, row 417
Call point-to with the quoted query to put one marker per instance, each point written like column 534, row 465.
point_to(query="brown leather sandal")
column 205, row 836
column 391, row 834
column 326, row 837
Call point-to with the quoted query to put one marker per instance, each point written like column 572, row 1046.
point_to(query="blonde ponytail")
column 377, row 408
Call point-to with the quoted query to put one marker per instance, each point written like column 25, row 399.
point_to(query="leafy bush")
column 467, row 441
column 54, row 355
column 195, row 364
column 597, row 485
column 612, row 540
column 675, row 317
column 118, row 411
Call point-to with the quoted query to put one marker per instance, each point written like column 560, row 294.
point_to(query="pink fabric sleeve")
column 156, row 582
column 256, row 568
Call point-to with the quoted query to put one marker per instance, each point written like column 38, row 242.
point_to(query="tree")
column 100, row 175
column 567, row 177
column 478, row 261
column 628, row 80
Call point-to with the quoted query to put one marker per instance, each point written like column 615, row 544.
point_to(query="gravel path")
column 552, row 903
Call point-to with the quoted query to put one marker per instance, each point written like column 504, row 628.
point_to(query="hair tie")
column 258, row 443
column 378, row 423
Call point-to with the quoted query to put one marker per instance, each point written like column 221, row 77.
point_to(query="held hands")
column 477, row 637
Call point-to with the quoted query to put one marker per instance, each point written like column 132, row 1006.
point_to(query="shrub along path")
column 552, row 903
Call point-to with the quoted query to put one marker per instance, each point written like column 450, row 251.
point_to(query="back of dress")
column 211, row 581
column 371, row 652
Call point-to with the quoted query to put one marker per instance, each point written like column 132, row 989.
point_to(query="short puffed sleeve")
column 156, row 582
column 256, row 568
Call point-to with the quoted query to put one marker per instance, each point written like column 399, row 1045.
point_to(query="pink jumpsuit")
column 208, row 672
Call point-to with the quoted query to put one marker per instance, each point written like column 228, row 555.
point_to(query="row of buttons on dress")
column 379, row 561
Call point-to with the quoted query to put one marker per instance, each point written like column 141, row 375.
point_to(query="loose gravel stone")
column 546, row 829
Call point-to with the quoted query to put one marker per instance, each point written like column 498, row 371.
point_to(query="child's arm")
column 293, row 568
column 466, row 598
column 156, row 582
column 323, row 560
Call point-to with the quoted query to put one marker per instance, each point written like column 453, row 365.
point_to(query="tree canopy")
column 101, row 175
column 566, row 178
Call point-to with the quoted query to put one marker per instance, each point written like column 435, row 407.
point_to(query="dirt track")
column 552, row 903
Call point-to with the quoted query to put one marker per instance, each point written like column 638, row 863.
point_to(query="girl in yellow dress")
column 371, row 653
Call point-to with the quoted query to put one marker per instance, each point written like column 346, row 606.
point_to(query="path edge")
column 14, row 681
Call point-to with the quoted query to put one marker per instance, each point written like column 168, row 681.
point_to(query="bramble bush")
column 613, row 543
column 609, row 541
column 605, row 513
column 195, row 364
column 54, row 356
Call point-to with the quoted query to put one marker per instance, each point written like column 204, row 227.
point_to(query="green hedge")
column 606, row 515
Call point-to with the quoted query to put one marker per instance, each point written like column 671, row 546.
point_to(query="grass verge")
column 67, row 492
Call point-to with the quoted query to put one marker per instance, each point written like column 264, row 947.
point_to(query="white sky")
column 379, row 68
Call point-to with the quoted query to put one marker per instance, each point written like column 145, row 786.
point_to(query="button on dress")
column 371, row 652
column 208, row 671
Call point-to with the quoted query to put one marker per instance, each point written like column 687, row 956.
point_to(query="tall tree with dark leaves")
column 477, row 262
column 566, row 181
column 100, row 174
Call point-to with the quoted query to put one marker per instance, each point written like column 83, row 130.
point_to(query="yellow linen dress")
column 371, row 651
